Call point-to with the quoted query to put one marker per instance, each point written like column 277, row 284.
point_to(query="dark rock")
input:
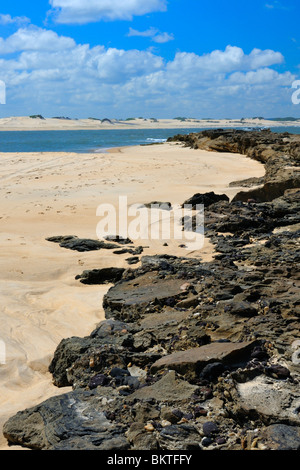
column 156, row 262
column 212, row 371
column 278, row 371
column 243, row 309
column 98, row 380
column 167, row 206
column 181, row 437
column 73, row 421
column 133, row 260
column 192, row 361
column 72, row 242
column 278, row 152
column 110, row 328
column 127, row 298
column 140, row 439
column 173, row 416
column 67, row 352
column 206, row 441
column 206, row 199
column 282, row 437
column 101, row 276
column 209, row 428
column 117, row 372
column 170, row 387
column 118, row 239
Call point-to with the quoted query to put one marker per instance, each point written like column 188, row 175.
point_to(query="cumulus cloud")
column 34, row 38
column 161, row 38
column 149, row 33
column 8, row 19
column 262, row 76
column 83, row 11
column 152, row 33
column 231, row 59
column 47, row 71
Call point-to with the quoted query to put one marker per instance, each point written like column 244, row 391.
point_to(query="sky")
column 149, row 58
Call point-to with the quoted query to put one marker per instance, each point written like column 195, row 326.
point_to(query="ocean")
column 85, row 141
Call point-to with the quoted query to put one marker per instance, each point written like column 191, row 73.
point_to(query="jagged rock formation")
column 280, row 153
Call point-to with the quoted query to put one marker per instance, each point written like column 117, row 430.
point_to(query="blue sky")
column 151, row 58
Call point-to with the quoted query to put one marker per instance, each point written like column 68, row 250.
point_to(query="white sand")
column 27, row 123
column 46, row 194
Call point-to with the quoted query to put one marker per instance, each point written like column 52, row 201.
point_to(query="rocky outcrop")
column 100, row 276
column 206, row 199
column 72, row 242
column 280, row 153
column 191, row 355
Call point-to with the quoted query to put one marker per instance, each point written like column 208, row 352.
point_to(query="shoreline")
column 49, row 194
column 24, row 123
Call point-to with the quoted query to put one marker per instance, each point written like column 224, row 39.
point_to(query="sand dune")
column 28, row 123
column 46, row 194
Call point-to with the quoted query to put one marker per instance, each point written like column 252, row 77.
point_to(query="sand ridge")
column 26, row 123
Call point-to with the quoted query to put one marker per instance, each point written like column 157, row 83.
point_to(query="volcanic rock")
column 72, row 242
column 193, row 360
column 101, row 276
column 205, row 199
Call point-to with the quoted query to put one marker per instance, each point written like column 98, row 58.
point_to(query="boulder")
column 281, row 437
column 101, row 276
column 169, row 388
column 192, row 361
column 72, row 421
column 71, row 242
column 206, row 199
column 269, row 398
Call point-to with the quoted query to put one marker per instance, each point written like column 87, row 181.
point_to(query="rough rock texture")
column 279, row 152
column 71, row 242
column 192, row 361
column 193, row 355
column 206, row 199
column 101, row 276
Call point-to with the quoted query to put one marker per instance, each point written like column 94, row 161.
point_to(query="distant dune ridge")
column 39, row 122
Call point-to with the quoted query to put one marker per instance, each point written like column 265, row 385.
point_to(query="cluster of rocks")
column 191, row 355
column 278, row 152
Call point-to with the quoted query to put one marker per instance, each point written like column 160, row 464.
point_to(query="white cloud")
column 161, row 38
column 276, row 5
column 34, row 38
column 230, row 60
column 48, row 71
column 262, row 76
column 258, row 58
column 149, row 33
column 152, row 33
column 8, row 19
column 86, row 11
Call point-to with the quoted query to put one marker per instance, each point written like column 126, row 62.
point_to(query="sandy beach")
column 26, row 123
column 48, row 194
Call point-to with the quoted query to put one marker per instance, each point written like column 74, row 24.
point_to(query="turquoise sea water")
column 92, row 140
